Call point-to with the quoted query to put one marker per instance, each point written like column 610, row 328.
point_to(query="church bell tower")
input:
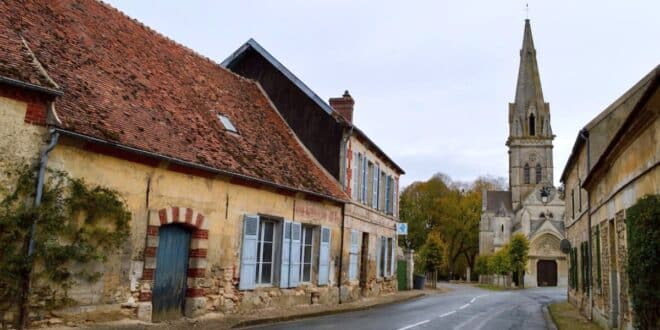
column 530, row 133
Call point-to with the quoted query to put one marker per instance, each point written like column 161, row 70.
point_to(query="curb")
column 548, row 319
column 284, row 318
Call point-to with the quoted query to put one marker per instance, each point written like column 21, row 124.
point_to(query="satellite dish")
column 565, row 246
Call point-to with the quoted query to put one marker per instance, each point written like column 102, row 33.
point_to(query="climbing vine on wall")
column 643, row 225
column 77, row 224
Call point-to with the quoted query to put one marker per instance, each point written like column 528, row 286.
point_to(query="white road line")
column 447, row 314
column 473, row 299
column 466, row 305
column 414, row 325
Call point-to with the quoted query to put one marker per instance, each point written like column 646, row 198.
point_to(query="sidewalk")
column 264, row 316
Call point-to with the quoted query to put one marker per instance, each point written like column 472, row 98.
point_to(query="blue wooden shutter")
column 324, row 256
column 355, row 177
column 286, row 253
column 353, row 255
column 294, row 272
column 364, row 180
column 378, row 256
column 249, row 252
column 374, row 188
column 392, row 255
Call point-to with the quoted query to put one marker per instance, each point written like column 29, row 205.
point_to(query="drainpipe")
column 43, row 160
column 341, row 250
column 584, row 134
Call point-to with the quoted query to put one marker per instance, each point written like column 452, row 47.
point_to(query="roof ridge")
column 37, row 64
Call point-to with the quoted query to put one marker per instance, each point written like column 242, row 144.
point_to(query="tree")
column 500, row 262
column 416, row 208
column 433, row 252
column 482, row 265
column 77, row 224
column 518, row 249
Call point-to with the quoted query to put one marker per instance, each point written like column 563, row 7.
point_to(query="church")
column 532, row 205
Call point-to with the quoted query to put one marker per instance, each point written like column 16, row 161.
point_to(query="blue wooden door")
column 171, row 273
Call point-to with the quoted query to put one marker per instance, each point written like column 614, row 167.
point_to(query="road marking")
column 473, row 299
column 447, row 314
column 466, row 305
column 414, row 325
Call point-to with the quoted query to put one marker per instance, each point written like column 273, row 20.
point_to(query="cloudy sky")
column 432, row 80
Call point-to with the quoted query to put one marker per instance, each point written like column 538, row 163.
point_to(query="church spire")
column 528, row 88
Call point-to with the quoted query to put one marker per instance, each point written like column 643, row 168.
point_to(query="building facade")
column 231, row 212
column 368, row 176
column 614, row 162
column 532, row 205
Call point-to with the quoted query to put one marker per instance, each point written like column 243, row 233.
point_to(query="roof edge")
column 189, row 164
column 32, row 87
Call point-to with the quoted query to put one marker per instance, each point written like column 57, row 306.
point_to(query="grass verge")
column 567, row 317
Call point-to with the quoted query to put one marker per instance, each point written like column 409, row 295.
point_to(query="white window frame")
column 260, row 249
column 302, row 253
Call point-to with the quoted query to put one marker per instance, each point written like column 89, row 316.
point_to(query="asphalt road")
column 465, row 307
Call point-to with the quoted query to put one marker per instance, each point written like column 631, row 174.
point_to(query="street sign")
column 402, row 228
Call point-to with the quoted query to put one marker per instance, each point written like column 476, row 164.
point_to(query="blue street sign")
column 402, row 228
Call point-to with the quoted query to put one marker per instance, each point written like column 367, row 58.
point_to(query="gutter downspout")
column 584, row 134
column 43, row 161
column 343, row 214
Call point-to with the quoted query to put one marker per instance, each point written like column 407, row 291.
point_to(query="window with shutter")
column 294, row 268
column 324, row 256
column 249, row 252
column 286, row 255
column 306, row 249
column 381, row 191
column 383, row 257
column 265, row 252
column 353, row 256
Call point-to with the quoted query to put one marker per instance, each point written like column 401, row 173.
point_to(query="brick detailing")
column 145, row 296
column 349, row 170
column 197, row 292
column 148, row 274
column 203, row 234
column 189, row 218
column 198, row 253
column 150, row 251
column 196, row 272
column 36, row 103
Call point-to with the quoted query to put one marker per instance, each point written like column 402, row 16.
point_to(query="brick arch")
column 197, row 261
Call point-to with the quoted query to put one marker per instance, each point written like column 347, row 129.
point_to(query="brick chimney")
column 343, row 105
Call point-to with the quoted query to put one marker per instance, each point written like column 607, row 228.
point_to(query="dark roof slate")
column 125, row 83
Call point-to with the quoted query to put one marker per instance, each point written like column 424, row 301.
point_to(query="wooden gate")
column 546, row 274
column 170, row 280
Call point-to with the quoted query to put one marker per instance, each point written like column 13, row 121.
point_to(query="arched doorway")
column 546, row 273
column 170, row 279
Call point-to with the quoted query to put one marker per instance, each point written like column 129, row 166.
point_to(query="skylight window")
column 227, row 124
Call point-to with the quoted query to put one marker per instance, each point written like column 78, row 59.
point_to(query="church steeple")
column 528, row 88
column 530, row 133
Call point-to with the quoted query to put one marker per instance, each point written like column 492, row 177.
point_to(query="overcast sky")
column 432, row 81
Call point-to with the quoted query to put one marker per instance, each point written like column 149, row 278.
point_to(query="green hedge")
column 643, row 224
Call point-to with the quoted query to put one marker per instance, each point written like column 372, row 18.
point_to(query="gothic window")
column 502, row 229
column 532, row 125
column 526, row 174
column 538, row 173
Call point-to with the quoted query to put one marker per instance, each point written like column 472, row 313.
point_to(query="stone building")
column 206, row 163
column 366, row 173
column 532, row 205
column 613, row 163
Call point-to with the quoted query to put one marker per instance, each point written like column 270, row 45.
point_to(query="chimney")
column 344, row 106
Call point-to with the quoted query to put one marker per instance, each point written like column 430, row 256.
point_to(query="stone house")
column 230, row 211
column 614, row 162
column 366, row 173
column 532, row 205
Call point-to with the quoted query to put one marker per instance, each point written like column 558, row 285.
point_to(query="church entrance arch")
column 546, row 274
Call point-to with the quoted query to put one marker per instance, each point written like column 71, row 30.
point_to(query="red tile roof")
column 126, row 83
